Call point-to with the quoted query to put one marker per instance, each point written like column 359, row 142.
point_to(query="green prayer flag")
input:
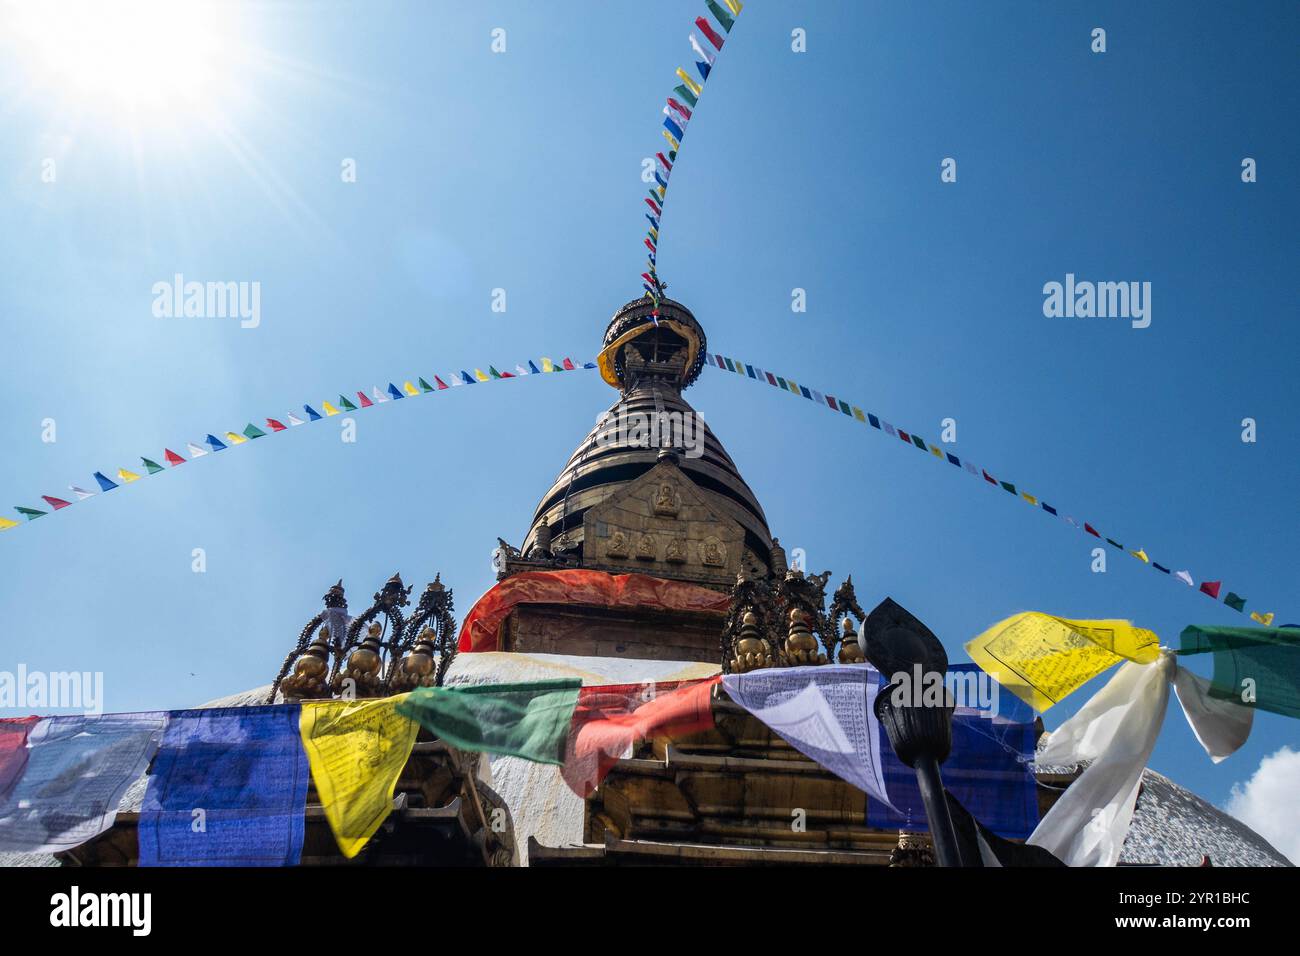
column 723, row 16
column 493, row 371
column 30, row 513
column 920, row 443
column 529, row 720
column 685, row 93
column 153, row 466
column 1235, row 601
column 346, row 405
column 252, row 431
column 426, row 386
column 1255, row 666
column 1009, row 487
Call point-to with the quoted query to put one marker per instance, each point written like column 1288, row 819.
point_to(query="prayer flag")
column 81, row 493
column 396, row 392
column 1233, row 600
column 104, row 483
column 709, row 32
column 7, row 523
column 441, row 383
column 735, row 6
column 1091, row 530
column 528, row 720
column 1265, row 619
column 246, row 768
column 723, row 17
column 547, row 365
column 151, row 466
column 274, row 425
column 312, row 414
column 1141, row 556
column 379, row 396
column 1185, row 578
column 77, row 769
column 1211, row 588
column 196, row 451
column 609, row 718
column 215, row 443
column 481, row 375
column 409, row 388
column 826, row 713
column 357, row 750
column 686, row 93
column 13, row 747
column 128, row 476
column 329, row 409
column 1254, row 666
column 426, row 386
column 294, row 419
column 346, row 405
column 252, row 431
column 1042, row 658
column 174, row 459
column 56, row 503
column 364, row 399
column 235, row 438
column 568, row 363
column 532, row 367
column 689, row 83
column 704, row 54
column 31, row 514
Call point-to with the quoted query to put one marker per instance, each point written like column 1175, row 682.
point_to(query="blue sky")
column 521, row 171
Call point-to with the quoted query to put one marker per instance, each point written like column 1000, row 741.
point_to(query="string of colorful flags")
column 678, row 111
column 249, row 767
column 1211, row 589
column 212, row 443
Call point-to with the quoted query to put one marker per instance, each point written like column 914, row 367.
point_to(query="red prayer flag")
column 650, row 245
column 651, row 203
column 1091, row 530
column 568, row 364
column 708, row 31
column 56, row 503
column 274, row 425
column 679, row 108
column 172, row 458
column 667, row 165
column 908, row 438
column 13, row 749
column 1209, row 587
column 441, row 383
column 989, row 478
column 610, row 718
column 365, row 402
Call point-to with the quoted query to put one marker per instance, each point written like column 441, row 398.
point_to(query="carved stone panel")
column 661, row 524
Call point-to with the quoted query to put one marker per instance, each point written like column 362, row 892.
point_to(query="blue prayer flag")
column 104, row 483
column 311, row 412
column 246, row 769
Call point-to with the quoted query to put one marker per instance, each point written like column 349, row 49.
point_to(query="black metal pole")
column 936, row 811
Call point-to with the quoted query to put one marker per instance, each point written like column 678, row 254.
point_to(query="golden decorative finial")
column 417, row 668
column 752, row 651
column 363, row 666
column 850, row 653
column 310, row 671
column 800, row 645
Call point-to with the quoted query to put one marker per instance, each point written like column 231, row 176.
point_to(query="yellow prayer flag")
column 1028, row 497
column 671, row 142
column 1141, row 556
column 481, row 375
column 857, row 413
column 127, row 475
column 1042, row 659
column 690, row 83
column 357, row 749
column 936, row 452
column 547, row 365
column 7, row 523
column 409, row 388
column 1265, row 619
column 793, row 387
column 329, row 409
column 235, row 438
column 736, row 6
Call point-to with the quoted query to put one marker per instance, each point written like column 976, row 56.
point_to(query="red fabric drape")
column 482, row 625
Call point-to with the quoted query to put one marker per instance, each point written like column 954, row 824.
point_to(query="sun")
column 141, row 55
